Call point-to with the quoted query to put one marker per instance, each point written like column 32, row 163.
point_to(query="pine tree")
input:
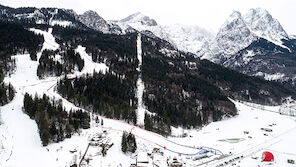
column 147, row 122
column 124, row 142
column 131, row 143
column 102, row 122
column 10, row 92
column 43, row 130
column 68, row 131
column 97, row 120
column 53, row 130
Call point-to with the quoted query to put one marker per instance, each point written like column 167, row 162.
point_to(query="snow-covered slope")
column 22, row 142
column 188, row 38
column 140, row 84
column 49, row 40
column 264, row 25
column 140, row 22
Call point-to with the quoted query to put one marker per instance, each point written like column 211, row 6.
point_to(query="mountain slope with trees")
column 180, row 89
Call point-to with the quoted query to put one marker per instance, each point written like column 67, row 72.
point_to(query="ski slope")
column 24, row 143
column 49, row 41
column 140, row 84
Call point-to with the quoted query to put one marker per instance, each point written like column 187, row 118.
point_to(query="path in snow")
column 140, row 85
column 89, row 65
column 49, row 41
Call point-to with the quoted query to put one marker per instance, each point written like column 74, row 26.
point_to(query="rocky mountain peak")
column 235, row 15
column 92, row 20
column 139, row 18
column 91, row 13
column 233, row 36
column 264, row 25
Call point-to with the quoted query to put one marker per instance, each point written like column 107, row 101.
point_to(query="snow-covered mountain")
column 183, row 37
column 238, row 32
column 188, row 38
column 233, row 36
column 255, row 44
column 264, row 25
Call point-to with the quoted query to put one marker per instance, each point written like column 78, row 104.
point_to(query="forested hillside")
column 62, row 61
column 54, row 123
column 15, row 38
column 105, row 94
column 117, row 51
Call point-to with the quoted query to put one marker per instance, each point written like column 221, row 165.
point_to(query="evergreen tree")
column 10, row 92
column 131, row 143
column 128, row 142
column 97, row 120
column 124, row 142
column 68, row 131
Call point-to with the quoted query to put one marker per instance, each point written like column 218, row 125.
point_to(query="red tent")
column 267, row 156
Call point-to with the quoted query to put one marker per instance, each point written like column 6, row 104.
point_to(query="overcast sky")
column 209, row 14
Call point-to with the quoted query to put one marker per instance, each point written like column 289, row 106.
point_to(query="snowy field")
column 240, row 136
